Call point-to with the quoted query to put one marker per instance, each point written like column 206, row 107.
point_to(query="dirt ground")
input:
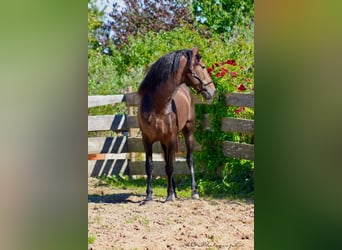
column 116, row 220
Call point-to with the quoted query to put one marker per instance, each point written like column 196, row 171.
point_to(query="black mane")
column 163, row 69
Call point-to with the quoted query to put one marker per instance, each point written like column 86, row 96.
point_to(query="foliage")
column 91, row 239
column 102, row 75
column 143, row 50
column 94, row 23
column 239, row 177
column 103, row 79
column 231, row 74
column 222, row 16
column 140, row 17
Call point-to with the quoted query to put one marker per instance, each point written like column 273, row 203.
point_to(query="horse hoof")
column 195, row 197
column 145, row 201
column 170, row 198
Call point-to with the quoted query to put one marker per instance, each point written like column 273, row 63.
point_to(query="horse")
column 167, row 107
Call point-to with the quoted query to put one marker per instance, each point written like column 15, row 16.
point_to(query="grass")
column 209, row 189
column 136, row 218
column 132, row 219
column 145, row 221
column 159, row 185
column 91, row 239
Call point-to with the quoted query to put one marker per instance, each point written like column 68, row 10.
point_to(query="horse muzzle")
column 208, row 93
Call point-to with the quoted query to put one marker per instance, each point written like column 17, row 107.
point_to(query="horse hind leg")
column 148, row 168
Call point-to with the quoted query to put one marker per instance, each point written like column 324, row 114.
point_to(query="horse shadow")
column 121, row 198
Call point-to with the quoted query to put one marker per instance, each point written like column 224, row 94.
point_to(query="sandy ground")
column 116, row 220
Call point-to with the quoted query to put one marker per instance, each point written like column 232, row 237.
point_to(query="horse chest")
column 162, row 124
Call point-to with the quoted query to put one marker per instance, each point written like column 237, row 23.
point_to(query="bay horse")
column 167, row 107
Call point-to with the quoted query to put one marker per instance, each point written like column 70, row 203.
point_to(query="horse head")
column 198, row 76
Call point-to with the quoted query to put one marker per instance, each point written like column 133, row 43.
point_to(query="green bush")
column 232, row 73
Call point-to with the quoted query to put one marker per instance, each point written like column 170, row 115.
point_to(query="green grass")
column 159, row 185
column 91, row 239
column 210, row 189
column 140, row 219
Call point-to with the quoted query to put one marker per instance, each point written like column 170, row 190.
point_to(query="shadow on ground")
column 115, row 198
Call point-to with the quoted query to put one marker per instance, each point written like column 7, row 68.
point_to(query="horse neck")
column 162, row 97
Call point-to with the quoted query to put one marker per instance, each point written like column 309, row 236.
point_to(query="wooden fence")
column 117, row 155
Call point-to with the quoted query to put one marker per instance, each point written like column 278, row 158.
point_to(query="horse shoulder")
column 183, row 105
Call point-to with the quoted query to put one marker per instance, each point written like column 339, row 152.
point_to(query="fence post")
column 131, row 131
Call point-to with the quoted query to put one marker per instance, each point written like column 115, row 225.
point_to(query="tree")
column 143, row 15
column 222, row 15
column 94, row 23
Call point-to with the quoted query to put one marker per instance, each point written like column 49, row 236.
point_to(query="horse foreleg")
column 174, row 187
column 189, row 140
column 169, row 172
column 164, row 147
column 190, row 161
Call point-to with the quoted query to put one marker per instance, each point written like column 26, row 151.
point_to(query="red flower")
column 233, row 74
column 237, row 111
column 231, row 62
column 224, row 70
column 210, row 70
column 242, row 87
column 216, row 64
column 219, row 75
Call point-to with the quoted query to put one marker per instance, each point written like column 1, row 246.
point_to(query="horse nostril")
column 211, row 92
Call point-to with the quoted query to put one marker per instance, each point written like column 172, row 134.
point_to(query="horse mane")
column 163, row 69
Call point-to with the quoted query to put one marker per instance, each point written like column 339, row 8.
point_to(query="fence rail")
column 112, row 155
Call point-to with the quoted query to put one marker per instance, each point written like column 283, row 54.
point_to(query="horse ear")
column 194, row 51
column 194, row 54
